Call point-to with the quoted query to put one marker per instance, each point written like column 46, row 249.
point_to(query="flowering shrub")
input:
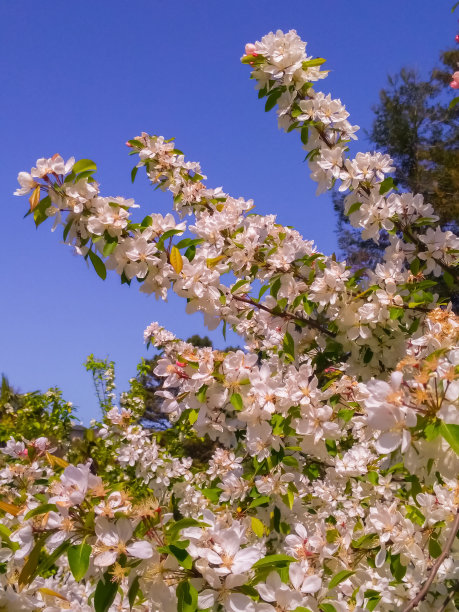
column 34, row 414
column 333, row 481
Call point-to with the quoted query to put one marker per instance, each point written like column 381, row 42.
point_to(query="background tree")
column 415, row 126
column 35, row 414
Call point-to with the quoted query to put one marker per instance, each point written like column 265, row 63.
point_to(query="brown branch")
column 286, row 315
column 447, row 600
column 422, row 247
column 436, row 566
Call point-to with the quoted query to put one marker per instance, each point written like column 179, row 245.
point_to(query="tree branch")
column 422, row 247
column 433, row 572
column 286, row 315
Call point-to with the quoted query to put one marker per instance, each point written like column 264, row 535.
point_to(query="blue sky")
column 82, row 78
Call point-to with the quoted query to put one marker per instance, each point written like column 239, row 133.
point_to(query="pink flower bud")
column 250, row 49
column 456, row 76
column 180, row 364
column 454, row 84
column 128, row 144
column 457, row 38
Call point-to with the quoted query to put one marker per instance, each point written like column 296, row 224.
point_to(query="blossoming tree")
column 333, row 484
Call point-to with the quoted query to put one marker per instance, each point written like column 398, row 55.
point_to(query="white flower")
column 112, row 541
column 232, row 601
column 27, row 183
column 387, row 412
column 72, row 487
column 303, row 579
column 274, row 590
column 24, row 537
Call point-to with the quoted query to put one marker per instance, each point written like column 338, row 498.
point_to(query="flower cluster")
column 332, row 482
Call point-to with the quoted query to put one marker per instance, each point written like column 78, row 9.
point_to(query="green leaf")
column 415, row 265
column 105, row 593
column 304, row 134
column 5, row 536
column 182, row 556
column 239, row 284
column 435, row 549
column 237, row 402
column 52, row 558
column 451, row 434
column 192, row 416
column 133, row 173
column 212, row 494
column 201, row 394
column 186, row 242
column 368, row 355
column 29, row 568
column 327, row 607
column 263, row 499
column 82, row 165
column 373, row 477
column 331, row 447
column 332, row 535
column 289, row 346
column 454, row 7
column 67, row 229
column 432, row 430
column 395, row 313
column 274, row 560
column 39, row 214
column 448, row 278
column 43, row 509
column 318, row 61
column 354, row 208
column 275, row 287
column 187, row 597
column 109, row 247
column 70, row 177
column 290, row 461
column 365, row 542
column 98, row 264
column 252, row 59
column 175, row 529
column 257, row 526
column 346, row 414
column 133, row 590
column 78, row 557
column 165, row 236
column 373, row 602
column 339, row 577
column 386, row 185
column 453, row 102
column 272, row 99
column 398, row 570
column 190, row 252
column 86, row 174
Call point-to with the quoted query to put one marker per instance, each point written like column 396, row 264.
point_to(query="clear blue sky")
column 82, row 78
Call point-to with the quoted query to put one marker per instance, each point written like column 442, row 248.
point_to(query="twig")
column 422, row 247
column 286, row 315
column 433, row 572
column 447, row 600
